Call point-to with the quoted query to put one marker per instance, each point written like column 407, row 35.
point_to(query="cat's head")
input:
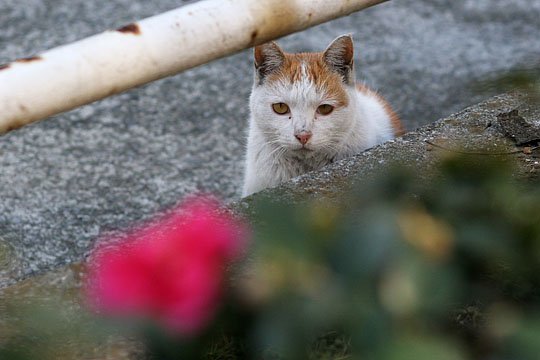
column 302, row 102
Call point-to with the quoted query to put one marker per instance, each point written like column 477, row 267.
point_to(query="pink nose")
column 303, row 137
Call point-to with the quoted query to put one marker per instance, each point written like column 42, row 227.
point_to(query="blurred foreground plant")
column 397, row 268
column 170, row 271
column 441, row 269
column 524, row 79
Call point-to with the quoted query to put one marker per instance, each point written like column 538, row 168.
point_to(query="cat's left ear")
column 340, row 57
column 268, row 58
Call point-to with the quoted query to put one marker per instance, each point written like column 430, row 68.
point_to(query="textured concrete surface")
column 68, row 179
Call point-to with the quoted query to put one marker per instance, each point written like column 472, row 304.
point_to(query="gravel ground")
column 66, row 180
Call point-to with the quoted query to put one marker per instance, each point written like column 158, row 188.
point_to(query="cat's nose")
column 303, row 137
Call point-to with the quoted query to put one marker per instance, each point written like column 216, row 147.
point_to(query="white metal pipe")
column 114, row 61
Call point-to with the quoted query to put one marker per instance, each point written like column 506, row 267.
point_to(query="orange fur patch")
column 317, row 71
column 394, row 118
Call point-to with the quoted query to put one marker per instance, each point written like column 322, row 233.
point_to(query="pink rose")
column 170, row 271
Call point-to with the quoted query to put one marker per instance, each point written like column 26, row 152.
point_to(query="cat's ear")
column 268, row 58
column 340, row 57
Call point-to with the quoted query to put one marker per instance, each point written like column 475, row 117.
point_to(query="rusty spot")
column 310, row 15
column 14, row 126
column 29, row 59
column 4, row 66
column 23, row 108
column 130, row 28
column 113, row 91
column 254, row 36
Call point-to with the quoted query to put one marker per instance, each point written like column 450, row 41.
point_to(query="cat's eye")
column 280, row 108
column 325, row 109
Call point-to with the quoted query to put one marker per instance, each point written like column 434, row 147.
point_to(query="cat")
column 307, row 111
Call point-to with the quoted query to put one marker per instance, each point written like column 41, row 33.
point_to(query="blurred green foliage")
column 41, row 329
column 524, row 79
column 440, row 269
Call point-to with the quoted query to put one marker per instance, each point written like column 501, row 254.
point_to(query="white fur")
column 275, row 155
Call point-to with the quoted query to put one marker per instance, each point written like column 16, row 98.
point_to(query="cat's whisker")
column 278, row 151
column 277, row 143
column 330, row 145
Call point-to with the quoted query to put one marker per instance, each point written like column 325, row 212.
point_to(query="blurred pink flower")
column 170, row 271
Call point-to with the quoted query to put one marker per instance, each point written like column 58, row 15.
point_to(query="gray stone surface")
column 522, row 125
column 68, row 179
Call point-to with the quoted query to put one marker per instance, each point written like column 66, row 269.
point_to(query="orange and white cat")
column 307, row 111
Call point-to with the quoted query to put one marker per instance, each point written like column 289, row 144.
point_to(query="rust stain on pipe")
column 29, row 59
column 15, row 126
column 254, row 34
column 113, row 91
column 130, row 29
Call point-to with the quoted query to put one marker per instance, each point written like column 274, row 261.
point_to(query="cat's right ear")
column 268, row 58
